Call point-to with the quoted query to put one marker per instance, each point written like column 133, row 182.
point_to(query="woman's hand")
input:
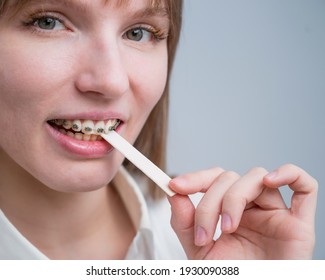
column 255, row 224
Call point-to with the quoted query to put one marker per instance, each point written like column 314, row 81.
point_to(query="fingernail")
column 200, row 236
column 225, row 222
column 179, row 181
column 272, row 175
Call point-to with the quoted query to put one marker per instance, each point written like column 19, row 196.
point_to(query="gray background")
column 249, row 88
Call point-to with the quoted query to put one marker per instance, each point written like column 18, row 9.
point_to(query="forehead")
column 119, row 3
column 161, row 8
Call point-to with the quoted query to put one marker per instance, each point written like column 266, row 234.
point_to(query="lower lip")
column 85, row 149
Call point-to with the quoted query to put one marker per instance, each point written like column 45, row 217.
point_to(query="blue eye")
column 48, row 23
column 139, row 34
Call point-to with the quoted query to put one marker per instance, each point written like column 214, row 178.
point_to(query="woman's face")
column 83, row 64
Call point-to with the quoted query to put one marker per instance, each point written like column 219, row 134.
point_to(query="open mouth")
column 84, row 130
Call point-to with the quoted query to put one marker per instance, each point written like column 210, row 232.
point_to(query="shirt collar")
column 13, row 245
column 133, row 198
column 142, row 246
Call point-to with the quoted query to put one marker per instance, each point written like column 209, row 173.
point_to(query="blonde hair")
column 153, row 137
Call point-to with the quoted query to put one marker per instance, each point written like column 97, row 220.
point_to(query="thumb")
column 182, row 221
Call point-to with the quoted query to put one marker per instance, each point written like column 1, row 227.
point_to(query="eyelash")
column 158, row 34
column 30, row 23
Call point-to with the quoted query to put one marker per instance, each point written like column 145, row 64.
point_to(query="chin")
column 74, row 186
column 76, row 179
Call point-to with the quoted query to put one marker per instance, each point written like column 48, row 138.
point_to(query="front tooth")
column 116, row 124
column 76, row 125
column 71, row 134
column 88, row 127
column 78, row 136
column 86, row 137
column 99, row 127
column 67, row 124
column 108, row 125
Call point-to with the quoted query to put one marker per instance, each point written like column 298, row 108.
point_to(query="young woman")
column 70, row 68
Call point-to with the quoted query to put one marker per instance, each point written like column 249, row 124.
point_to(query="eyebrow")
column 83, row 6
column 149, row 12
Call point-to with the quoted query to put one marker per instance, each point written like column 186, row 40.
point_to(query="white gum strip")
column 139, row 160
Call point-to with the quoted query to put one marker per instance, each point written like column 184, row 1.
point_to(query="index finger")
column 192, row 183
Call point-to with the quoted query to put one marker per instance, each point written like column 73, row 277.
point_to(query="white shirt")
column 154, row 239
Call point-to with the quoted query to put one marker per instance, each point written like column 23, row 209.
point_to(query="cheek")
column 148, row 85
column 30, row 77
column 149, row 82
column 30, row 80
column 16, row 97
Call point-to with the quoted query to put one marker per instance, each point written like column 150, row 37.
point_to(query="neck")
column 56, row 222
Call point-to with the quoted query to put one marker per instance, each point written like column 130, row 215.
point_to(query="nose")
column 103, row 72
